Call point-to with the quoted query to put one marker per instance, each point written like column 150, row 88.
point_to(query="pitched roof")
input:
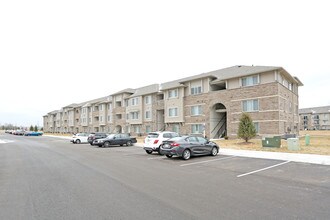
column 229, row 73
column 73, row 105
column 239, row 71
column 315, row 110
column 128, row 90
column 154, row 88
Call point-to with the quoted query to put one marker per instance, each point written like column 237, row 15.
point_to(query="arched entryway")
column 218, row 121
column 119, row 129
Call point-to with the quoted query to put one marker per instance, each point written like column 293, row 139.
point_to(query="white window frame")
column 196, row 90
column 176, row 128
column 197, row 128
column 148, row 99
column 173, row 93
column 137, row 129
column 199, row 110
column 250, row 105
column 147, row 113
column 134, row 115
column 174, row 110
column 256, row 126
column 250, row 80
column 135, row 101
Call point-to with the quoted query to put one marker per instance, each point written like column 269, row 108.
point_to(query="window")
column 201, row 140
column 148, row 100
column 101, row 118
column 196, row 90
column 134, row 115
column 176, row 128
column 90, row 120
column 96, row 108
column 173, row 112
column 256, row 126
column 137, row 129
column 110, row 106
column 197, row 129
column 192, row 139
column 101, row 107
column 196, row 110
column 109, row 118
column 290, row 107
column 148, row 115
column 148, row 128
column 173, row 93
column 251, row 105
column 135, row 101
column 250, row 80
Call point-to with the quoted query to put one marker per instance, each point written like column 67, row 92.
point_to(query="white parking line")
column 4, row 141
column 245, row 174
column 155, row 158
column 206, row 161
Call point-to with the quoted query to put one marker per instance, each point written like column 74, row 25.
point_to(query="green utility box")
column 271, row 141
column 307, row 139
column 293, row 144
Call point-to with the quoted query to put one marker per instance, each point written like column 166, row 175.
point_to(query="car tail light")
column 156, row 141
column 175, row 144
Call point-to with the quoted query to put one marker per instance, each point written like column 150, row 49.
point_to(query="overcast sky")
column 54, row 53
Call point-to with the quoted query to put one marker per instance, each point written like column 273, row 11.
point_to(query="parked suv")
column 94, row 136
column 154, row 140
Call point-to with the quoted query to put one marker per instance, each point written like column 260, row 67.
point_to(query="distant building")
column 207, row 104
column 316, row 118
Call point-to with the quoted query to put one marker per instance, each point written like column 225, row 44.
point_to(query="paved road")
column 49, row 178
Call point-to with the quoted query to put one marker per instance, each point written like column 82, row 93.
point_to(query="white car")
column 155, row 139
column 79, row 138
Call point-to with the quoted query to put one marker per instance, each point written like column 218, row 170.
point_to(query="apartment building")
column 208, row 104
column 316, row 118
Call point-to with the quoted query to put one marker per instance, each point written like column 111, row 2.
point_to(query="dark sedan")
column 187, row 146
column 115, row 139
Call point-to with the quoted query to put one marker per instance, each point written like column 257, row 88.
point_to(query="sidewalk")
column 303, row 158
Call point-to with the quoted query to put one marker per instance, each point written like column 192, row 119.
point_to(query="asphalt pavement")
column 51, row 178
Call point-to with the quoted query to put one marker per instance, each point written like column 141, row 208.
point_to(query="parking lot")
column 206, row 187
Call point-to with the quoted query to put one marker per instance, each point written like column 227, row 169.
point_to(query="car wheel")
column 186, row 154
column 149, row 151
column 129, row 143
column 160, row 151
column 214, row 151
column 106, row 144
column 169, row 156
column 91, row 144
column 78, row 141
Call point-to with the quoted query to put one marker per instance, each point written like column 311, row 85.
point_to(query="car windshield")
column 153, row 135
